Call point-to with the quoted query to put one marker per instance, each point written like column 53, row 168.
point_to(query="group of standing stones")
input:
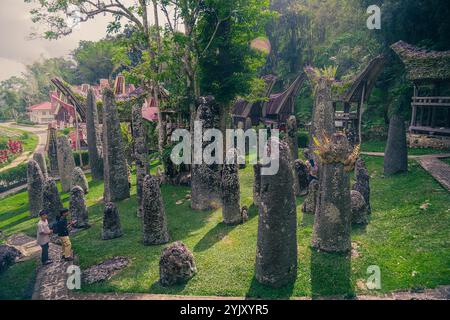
column 329, row 198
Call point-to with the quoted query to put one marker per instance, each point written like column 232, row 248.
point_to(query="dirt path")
column 40, row 131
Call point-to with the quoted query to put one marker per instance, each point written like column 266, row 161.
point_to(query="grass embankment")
column 409, row 244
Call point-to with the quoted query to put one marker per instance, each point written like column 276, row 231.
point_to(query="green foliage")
column 95, row 60
column 84, row 158
column 303, row 139
column 13, row 177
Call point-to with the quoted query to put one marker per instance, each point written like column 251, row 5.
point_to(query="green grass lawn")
column 409, row 244
column 380, row 146
column 29, row 140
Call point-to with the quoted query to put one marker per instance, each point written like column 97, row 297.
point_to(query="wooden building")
column 273, row 112
column 350, row 97
column 429, row 72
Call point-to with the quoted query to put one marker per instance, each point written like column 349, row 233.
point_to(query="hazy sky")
column 16, row 50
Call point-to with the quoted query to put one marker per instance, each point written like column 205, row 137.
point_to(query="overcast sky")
column 17, row 50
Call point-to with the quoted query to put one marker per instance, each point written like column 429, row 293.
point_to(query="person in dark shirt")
column 63, row 234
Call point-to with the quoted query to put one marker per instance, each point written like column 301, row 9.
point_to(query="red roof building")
column 41, row 113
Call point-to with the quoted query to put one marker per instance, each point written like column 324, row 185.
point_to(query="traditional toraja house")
column 281, row 106
column 351, row 96
column 429, row 72
column 245, row 112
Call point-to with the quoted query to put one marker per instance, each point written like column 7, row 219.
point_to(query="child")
column 43, row 236
column 63, row 234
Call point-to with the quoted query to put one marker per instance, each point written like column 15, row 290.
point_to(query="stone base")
column 427, row 141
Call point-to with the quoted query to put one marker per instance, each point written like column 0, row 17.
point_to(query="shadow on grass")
column 216, row 234
column 16, row 222
column 260, row 291
column 330, row 275
column 220, row 231
column 307, row 220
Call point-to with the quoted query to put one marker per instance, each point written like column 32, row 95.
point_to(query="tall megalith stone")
column 140, row 153
column 332, row 223
column 206, row 179
column 276, row 249
column 94, row 138
column 40, row 159
column 116, row 186
column 231, row 194
column 78, row 208
column 66, row 163
column 35, row 187
column 51, row 200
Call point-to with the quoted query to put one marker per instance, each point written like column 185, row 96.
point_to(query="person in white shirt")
column 43, row 236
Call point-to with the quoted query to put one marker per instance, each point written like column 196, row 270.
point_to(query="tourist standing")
column 63, row 234
column 43, row 236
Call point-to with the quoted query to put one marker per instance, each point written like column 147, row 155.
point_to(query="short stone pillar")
column 309, row 205
column 155, row 229
column 66, row 163
column 111, row 222
column 176, row 265
column 78, row 209
column 332, row 223
column 35, row 187
column 115, row 166
column 257, row 184
column 231, row 193
column 276, row 248
column 359, row 209
column 362, row 184
column 302, row 176
column 40, row 159
column 79, row 179
column 51, row 200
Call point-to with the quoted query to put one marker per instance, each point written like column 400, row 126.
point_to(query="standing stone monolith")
column 51, row 200
column 116, row 187
column 154, row 216
column 94, row 138
column 140, row 153
column 322, row 121
column 276, row 249
column 257, row 184
column 309, row 205
column 35, row 187
column 40, row 159
column 66, row 163
column 302, row 176
column 206, row 179
column 332, row 223
column 362, row 184
column 79, row 179
column 359, row 209
column 292, row 136
column 78, row 209
column 52, row 152
column 396, row 154
column 231, row 194
column 111, row 222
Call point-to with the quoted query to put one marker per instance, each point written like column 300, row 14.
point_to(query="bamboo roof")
column 423, row 65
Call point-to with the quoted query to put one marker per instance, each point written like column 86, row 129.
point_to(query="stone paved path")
column 438, row 169
column 51, row 282
column 431, row 163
